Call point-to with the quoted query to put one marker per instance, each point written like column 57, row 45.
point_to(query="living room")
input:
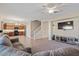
column 39, row 29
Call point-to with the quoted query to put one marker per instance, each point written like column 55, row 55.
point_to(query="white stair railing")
column 36, row 33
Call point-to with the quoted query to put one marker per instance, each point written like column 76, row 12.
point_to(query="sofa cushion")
column 18, row 45
column 11, row 51
column 67, row 51
column 4, row 40
column 43, row 53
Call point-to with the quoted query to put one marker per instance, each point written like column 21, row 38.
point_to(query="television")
column 67, row 25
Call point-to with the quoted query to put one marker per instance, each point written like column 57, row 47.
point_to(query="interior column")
column 28, row 34
column 49, row 30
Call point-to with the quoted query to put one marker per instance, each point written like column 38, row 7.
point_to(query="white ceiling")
column 34, row 11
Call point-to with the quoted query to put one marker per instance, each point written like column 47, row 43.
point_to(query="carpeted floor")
column 45, row 44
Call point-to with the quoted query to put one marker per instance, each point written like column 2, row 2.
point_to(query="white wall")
column 67, row 33
column 44, row 29
column 28, row 35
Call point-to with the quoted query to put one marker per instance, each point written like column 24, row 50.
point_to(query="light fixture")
column 52, row 7
column 16, row 24
column 68, row 23
column 50, row 11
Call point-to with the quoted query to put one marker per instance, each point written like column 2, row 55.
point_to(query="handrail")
column 36, row 27
column 39, row 28
column 36, row 32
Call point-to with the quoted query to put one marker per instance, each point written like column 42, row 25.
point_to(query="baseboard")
column 42, row 38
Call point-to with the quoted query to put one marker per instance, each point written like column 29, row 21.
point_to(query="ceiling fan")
column 52, row 7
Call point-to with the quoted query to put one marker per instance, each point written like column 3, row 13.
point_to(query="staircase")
column 36, row 33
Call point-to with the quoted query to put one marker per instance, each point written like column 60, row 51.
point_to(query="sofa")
column 66, row 51
column 7, row 49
